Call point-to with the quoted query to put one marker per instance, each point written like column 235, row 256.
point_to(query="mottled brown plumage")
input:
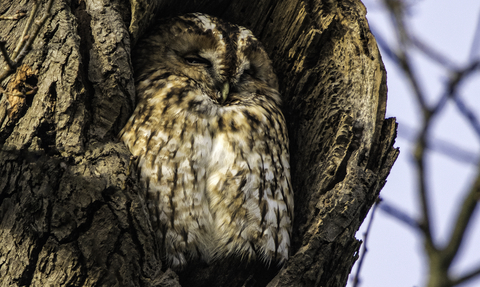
column 210, row 142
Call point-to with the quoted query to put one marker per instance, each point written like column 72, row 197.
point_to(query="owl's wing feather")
column 172, row 165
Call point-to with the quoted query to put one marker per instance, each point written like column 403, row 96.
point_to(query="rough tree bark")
column 70, row 213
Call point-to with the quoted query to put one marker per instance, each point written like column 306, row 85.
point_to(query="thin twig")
column 460, row 75
column 399, row 215
column 474, row 50
column 433, row 54
column 356, row 280
column 466, row 277
column 16, row 16
column 468, row 113
column 21, row 43
column 9, row 61
column 386, row 49
column 36, row 29
column 440, row 146
column 453, row 85
column 406, row 66
column 26, row 41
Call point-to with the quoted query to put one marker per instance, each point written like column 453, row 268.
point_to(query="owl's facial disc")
column 226, row 60
column 214, row 71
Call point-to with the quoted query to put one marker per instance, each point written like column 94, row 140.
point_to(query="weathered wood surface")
column 70, row 214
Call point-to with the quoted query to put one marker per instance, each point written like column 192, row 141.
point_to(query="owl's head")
column 225, row 59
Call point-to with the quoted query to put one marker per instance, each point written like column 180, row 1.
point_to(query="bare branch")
column 423, row 190
column 397, row 58
column 463, row 219
column 453, row 84
column 440, row 259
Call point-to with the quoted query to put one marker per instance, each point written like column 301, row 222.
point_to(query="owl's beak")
column 225, row 91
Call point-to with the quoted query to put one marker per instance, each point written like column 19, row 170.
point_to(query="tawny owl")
column 210, row 142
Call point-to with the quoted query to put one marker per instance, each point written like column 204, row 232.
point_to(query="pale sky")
column 395, row 252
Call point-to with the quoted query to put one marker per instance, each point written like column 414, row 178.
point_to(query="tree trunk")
column 72, row 215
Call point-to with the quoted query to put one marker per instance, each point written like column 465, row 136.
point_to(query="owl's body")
column 210, row 143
